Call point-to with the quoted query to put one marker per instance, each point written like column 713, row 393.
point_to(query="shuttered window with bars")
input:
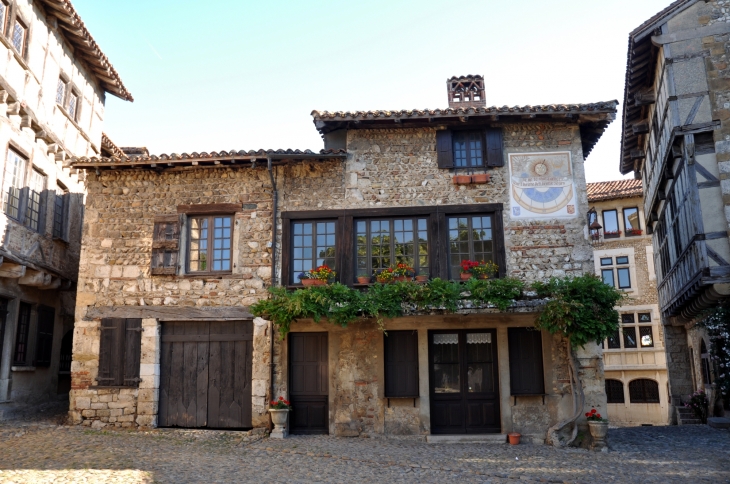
column 165, row 245
column 44, row 336
column 401, row 364
column 525, row 361
column 469, row 149
column 119, row 352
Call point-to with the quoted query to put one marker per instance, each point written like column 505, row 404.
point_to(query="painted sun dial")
column 541, row 185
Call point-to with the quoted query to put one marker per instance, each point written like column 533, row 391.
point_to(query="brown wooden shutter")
column 110, row 352
column 165, row 245
column 132, row 350
column 44, row 337
column 525, row 361
column 444, row 149
column 495, row 156
column 401, row 364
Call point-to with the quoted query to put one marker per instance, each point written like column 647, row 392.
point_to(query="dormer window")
column 469, row 148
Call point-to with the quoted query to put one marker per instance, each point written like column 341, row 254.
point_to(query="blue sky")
column 222, row 74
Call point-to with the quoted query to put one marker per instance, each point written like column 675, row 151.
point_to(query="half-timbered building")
column 177, row 247
column 675, row 138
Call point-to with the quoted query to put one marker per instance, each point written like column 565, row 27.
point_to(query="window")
column 73, row 105
column 468, row 149
column 60, row 212
column 383, row 243
column 631, row 221
column 646, row 336
column 610, row 224
column 401, row 364
column 525, row 361
column 469, row 238
column 629, row 332
column 3, row 16
column 165, row 245
column 618, row 274
column 19, row 36
column 61, row 91
column 614, row 391
column 313, row 245
column 34, row 210
column 210, row 244
column 21, row 338
column 614, row 341
column 643, row 391
column 14, row 179
column 119, row 352
column 44, row 338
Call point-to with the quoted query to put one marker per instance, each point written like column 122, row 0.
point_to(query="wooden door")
column 205, row 374
column 464, row 382
column 308, row 383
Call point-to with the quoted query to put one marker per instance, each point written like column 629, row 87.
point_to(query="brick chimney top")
column 466, row 91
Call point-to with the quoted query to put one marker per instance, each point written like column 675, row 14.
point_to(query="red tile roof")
column 75, row 32
column 612, row 190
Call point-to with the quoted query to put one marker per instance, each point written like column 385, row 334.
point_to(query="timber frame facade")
column 675, row 133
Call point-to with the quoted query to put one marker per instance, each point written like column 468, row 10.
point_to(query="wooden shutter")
column 401, row 364
column 165, row 245
column 119, row 352
column 42, row 211
column 525, row 361
column 444, row 149
column 132, row 350
column 23, row 204
column 44, row 338
column 495, row 156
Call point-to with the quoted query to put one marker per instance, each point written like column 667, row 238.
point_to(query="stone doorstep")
column 719, row 422
column 467, row 439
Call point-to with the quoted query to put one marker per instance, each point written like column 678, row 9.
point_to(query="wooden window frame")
column 120, row 344
column 437, row 233
column 163, row 247
column 21, row 348
column 292, row 276
column 618, row 226
column 393, row 343
column 15, row 17
column 468, row 156
column 470, row 242
column 211, row 230
column 15, row 185
column 4, row 17
column 614, row 396
column 393, row 257
column 30, row 211
column 61, row 212
column 492, row 147
column 44, row 336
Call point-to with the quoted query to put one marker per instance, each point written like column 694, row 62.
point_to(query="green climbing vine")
column 580, row 308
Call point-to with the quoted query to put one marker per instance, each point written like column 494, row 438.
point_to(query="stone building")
column 53, row 83
column 676, row 138
column 164, row 336
column 634, row 358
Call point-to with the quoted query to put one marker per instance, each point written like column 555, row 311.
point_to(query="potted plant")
column 633, row 231
column 480, row 178
column 699, row 404
column 279, row 410
column 466, row 267
column 363, row 279
column 317, row 277
column 514, row 438
column 484, row 270
column 608, row 234
column 422, row 278
column 598, row 427
column 402, row 272
column 462, row 179
column 385, row 276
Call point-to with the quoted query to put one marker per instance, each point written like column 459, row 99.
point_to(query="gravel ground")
column 43, row 451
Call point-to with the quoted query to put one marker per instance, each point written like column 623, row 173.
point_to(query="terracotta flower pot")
column 465, row 276
column 514, row 438
column 313, row 282
column 421, row 278
column 462, row 179
column 363, row 279
column 482, row 178
column 402, row 279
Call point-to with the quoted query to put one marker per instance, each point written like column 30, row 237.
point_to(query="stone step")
column 689, row 421
column 719, row 422
column 685, row 411
column 467, row 439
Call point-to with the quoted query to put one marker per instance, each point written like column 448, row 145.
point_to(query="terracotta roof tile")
column 76, row 33
column 109, row 147
column 611, row 190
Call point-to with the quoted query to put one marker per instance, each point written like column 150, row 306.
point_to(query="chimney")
column 466, row 91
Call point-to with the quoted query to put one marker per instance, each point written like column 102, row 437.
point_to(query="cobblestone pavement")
column 47, row 452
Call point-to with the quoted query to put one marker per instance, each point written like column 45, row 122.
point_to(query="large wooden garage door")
column 205, row 374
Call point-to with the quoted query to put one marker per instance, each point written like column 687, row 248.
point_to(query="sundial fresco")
column 541, row 185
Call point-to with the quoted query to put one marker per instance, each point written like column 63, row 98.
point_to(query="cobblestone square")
column 45, row 452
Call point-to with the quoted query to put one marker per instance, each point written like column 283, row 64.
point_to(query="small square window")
column 606, row 261
column 646, row 336
column 622, row 260
column 645, row 317
column 628, row 318
column 468, row 149
column 629, row 337
column 624, row 278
